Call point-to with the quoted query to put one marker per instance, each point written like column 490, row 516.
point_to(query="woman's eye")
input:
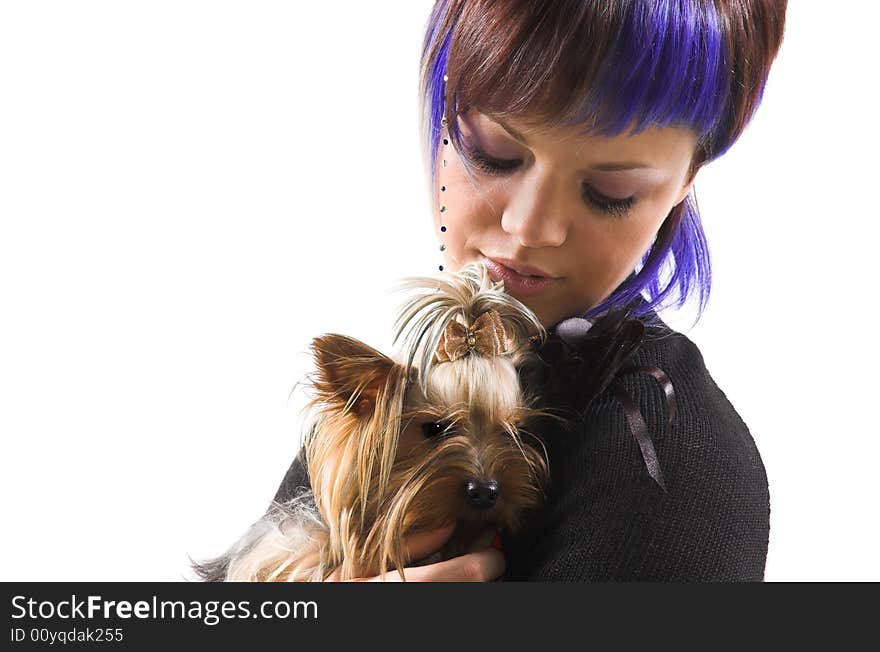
column 491, row 165
column 614, row 207
column 434, row 429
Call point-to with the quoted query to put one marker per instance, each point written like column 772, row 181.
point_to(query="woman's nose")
column 536, row 215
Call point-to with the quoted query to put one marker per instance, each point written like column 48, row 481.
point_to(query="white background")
column 191, row 191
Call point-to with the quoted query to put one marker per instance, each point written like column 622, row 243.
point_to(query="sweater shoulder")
column 607, row 520
column 295, row 480
column 706, row 428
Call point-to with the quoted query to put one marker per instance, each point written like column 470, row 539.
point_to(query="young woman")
column 563, row 138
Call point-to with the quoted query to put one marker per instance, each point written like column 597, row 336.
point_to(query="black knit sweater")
column 606, row 519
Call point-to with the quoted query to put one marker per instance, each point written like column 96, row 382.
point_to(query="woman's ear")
column 686, row 188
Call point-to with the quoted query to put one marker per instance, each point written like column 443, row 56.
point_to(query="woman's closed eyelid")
column 487, row 162
column 472, row 140
column 473, row 151
column 614, row 206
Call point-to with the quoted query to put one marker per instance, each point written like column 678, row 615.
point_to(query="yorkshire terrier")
column 442, row 434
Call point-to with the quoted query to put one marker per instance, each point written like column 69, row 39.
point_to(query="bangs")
column 604, row 68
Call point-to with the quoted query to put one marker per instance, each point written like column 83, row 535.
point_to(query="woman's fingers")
column 416, row 546
column 421, row 544
column 477, row 566
column 481, row 566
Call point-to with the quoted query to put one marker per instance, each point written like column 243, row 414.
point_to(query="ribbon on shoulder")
column 587, row 358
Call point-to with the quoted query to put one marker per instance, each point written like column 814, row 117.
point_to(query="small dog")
column 440, row 435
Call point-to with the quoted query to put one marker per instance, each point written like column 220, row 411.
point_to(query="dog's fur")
column 392, row 444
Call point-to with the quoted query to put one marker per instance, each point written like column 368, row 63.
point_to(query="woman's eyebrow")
column 513, row 132
column 617, row 167
column 599, row 167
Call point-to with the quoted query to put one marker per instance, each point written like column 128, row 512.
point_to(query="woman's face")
column 573, row 207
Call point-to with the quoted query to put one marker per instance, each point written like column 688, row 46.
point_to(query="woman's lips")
column 515, row 283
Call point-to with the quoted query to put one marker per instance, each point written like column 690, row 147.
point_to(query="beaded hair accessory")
column 443, row 186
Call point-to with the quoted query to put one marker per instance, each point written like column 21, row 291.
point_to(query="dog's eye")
column 433, row 429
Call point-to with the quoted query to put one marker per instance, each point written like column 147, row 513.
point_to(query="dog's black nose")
column 482, row 494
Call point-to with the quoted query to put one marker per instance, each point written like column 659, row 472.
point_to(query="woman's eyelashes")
column 494, row 166
column 617, row 207
column 490, row 164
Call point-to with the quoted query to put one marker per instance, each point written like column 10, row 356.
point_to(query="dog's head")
column 397, row 447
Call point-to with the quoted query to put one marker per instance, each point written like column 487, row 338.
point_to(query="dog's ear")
column 350, row 372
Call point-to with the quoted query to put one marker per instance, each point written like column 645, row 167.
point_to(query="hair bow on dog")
column 486, row 336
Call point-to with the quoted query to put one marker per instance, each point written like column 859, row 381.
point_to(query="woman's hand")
column 477, row 566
